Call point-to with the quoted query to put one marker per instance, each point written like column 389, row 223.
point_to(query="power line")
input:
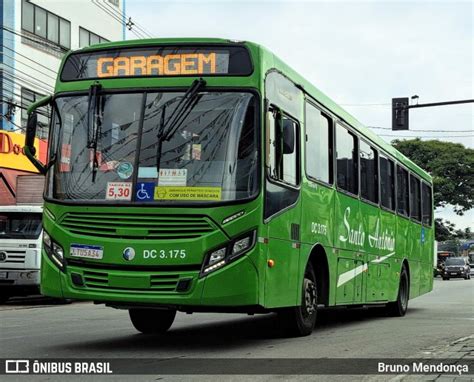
column 426, row 131
column 35, row 62
column 365, row 104
column 117, row 18
column 16, row 78
column 36, row 40
column 20, row 127
column 39, row 84
column 115, row 10
column 427, row 136
column 16, row 59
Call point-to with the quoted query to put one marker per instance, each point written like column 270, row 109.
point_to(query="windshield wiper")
column 168, row 128
column 94, row 124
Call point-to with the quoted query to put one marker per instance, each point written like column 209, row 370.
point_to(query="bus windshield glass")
column 155, row 147
column 15, row 225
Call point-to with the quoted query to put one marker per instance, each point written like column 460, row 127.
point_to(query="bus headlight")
column 217, row 256
column 47, row 240
column 224, row 255
column 54, row 251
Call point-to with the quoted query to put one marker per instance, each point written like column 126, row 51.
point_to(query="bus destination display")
column 157, row 62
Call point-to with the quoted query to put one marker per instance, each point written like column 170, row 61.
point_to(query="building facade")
column 35, row 34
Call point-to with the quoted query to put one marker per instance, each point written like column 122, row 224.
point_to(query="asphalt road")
column 30, row 329
column 38, row 328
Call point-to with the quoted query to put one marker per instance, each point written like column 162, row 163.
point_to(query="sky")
column 360, row 53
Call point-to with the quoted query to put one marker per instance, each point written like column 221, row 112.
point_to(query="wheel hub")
column 309, row 300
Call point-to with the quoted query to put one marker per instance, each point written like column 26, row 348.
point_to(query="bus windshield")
column 153, row 147
column 17, row 225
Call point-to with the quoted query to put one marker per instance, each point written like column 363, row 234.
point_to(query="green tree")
column 444, row 230
column 450, row 164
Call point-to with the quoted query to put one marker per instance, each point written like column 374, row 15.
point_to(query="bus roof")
column 265, row 55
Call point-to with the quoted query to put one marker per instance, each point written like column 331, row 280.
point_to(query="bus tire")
column 300, row 320
column 152, row 321
column 4, row 298
column 399, row 307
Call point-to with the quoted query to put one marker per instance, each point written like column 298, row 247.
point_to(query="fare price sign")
column 157, row 62
column 119, row 191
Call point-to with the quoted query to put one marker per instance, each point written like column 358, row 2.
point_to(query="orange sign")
column 168, row 65
column 12, row 154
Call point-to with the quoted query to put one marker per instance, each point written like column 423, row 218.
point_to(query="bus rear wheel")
column 399, row 307
column 300, row 320
column 152, row 321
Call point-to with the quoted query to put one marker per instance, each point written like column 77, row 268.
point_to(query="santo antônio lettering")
column 166, row 65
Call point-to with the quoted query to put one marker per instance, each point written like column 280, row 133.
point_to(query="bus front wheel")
column 152, row 321
column 399, row 307
column 300, row 320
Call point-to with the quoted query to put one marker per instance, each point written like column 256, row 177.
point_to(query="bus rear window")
column 161, row 61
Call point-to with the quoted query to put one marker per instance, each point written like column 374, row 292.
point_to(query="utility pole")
column 400, row 109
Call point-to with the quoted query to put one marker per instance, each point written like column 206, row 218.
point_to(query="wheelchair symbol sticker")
column 145, row 191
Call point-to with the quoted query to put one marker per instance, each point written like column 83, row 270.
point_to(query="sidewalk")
column 457, row 351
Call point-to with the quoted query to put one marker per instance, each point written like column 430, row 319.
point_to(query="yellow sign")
column 12, row 154
column 188, row 193
column 167, row 65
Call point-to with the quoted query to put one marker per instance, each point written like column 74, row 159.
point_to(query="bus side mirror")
column 288, row 136
column 30, row 150
column 31, row 132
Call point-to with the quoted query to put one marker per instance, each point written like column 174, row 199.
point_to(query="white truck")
column 20, row 240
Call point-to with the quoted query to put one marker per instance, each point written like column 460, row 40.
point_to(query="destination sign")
column 157, row 62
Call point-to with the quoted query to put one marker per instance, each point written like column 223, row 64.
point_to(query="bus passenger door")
column 282, row 209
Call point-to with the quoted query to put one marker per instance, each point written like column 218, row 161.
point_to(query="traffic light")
column 400, row 113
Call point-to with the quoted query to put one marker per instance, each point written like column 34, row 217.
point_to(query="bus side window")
column 402, row 191
column 346, row 153
column 318, row 145
column 415, row 200
column 368, row 172
column 282, row 159
column 427, row 204
column 387, row 183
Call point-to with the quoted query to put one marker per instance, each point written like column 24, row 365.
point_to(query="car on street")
column 456, row 267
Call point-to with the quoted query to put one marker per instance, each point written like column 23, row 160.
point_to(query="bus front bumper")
column 236, row 284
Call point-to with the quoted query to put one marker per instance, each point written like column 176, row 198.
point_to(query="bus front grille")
column 137, row 226
column 132, row 282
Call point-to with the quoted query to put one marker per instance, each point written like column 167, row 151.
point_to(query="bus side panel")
column 414, row 256
column 402, row 249
column 370, row 219
column 426, row 282
column 385, row 244
column 317, row 220
column 317, row 215
column 281, row 280
column 350, row 237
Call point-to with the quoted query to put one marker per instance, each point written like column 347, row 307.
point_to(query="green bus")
column 205, row 175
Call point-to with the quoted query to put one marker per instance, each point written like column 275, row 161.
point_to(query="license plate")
column 87, row 251
column 453, row 273
column 3, row 275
